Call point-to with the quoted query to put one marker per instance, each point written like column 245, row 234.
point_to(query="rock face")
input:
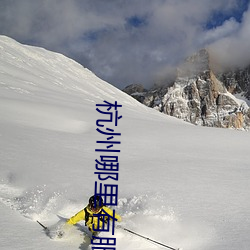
column 201, row 97
column 137, row 91
column 237, row 81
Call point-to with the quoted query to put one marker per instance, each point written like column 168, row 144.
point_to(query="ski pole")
column 159, row 243
column 45, row 228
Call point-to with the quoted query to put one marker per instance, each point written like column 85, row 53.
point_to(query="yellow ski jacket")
column 90, row 220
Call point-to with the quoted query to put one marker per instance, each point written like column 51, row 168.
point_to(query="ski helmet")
column 95, row 202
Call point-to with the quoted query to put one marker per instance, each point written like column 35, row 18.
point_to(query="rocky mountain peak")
column 197, row 64
column 200, row 96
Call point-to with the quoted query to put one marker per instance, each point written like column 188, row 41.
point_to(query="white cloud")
column 97, row 32
column 228, row 28
column 233, row 50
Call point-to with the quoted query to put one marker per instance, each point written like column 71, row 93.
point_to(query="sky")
column 132, row 41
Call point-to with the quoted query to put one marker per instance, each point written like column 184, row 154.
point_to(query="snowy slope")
column 182, row 185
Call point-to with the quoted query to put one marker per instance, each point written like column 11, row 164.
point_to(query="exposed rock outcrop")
column 201, row 97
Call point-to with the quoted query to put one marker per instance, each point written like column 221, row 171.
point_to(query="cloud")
column 233, row 49
column 121, row 41
column 228, row 28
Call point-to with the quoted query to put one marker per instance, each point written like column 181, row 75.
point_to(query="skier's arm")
column 77, row 217
column 110, row 212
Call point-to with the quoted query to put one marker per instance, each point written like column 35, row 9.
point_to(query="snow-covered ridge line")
column 46, row 68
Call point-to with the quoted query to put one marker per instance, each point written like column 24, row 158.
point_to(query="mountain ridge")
column 200, row 95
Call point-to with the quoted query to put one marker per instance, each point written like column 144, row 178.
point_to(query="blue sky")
column 218, row 17
column 131, row 41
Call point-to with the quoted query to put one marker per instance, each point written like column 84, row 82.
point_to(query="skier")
column 95, row 207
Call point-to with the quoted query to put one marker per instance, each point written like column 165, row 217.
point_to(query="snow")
column 242, row 99
column 182, row 185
